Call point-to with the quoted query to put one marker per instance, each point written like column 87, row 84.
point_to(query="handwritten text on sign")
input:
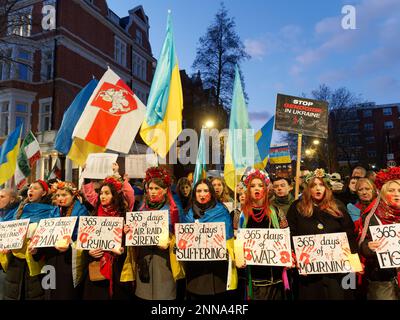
column 100, row 233
column 388, row 252
column 12, row 234
column 50, row 232
column 269, row 247
column 148, row 228
column 200, row 241
column 323, row 253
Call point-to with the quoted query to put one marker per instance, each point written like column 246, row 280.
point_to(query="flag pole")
column 299, row 141
column 79, row 178
column 235, row 199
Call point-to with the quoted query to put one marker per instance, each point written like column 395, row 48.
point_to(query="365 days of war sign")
column 269, row 247
column 301, row 115
column 54, row 232
column 148, row 228
column 388, row 252
column 200, row 241
column 12, row 234
column 100, row 233
column 323, row 253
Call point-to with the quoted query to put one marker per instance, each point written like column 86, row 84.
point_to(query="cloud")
column 385, row 84
column 255, row 48
column 259, row 116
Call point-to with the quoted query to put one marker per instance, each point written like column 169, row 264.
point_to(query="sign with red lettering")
column 388, row 252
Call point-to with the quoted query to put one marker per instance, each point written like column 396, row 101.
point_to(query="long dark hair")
column 118, row 201
column 214, row 197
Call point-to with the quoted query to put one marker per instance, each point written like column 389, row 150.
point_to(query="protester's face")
column 242, row 197
column 156, row 193
column 185, row 190
column 257, row 191
column 318, row 190
column 281, row 188
column 393, row 194
column 5, row 199
column 218, row 187
column 105, row 196
column 358, row 173
column 64, row 198
column 352, row 185
column 35, row 192
column 365, row 192
column 203, row 194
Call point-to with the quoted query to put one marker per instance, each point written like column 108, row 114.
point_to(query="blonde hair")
column 369, row 183
column 385, row 188
column 225, row 197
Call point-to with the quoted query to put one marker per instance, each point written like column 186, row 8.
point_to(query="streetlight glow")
column 308, row 152
column 316, row 142
column 209, row 124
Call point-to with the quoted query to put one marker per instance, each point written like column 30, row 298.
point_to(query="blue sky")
column 295, row 45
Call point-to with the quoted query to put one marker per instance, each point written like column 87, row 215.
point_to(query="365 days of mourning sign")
column 100, row 233
column 323, row 253
column 200, row 241
column 269, row 247
column 12, row 234
column 301, row 115
column 53, row 232
column 388, row 252
column 148, row 228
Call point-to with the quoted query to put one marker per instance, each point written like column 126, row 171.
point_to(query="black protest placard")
column 302, row 116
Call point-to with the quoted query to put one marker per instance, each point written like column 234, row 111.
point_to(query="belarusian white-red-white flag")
column 112, row 116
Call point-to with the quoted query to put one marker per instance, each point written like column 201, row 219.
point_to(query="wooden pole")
column 299, row 140
column 235, row 200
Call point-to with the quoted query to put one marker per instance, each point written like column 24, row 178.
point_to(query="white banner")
column 12, row 234
column 99, row 165
column 137, row 164
column 388, row 252
column 54, row 232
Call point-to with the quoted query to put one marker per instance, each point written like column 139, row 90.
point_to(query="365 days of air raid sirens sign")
column 303, row 116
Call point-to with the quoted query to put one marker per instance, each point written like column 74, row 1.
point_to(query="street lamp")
column 308, row 152
column 316, row 142
column 209, row 124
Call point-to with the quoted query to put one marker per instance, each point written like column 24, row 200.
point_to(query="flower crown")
column 319, row 173
column 64, row 185
column 386, row 175
column 241, row 186
column 160, row 173
column 113, row 181
column 256, row 173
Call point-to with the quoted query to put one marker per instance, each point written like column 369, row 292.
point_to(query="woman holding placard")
column 157, row 269
column 23, row 279
column 317, row 212
column 382, row 282
column 107, row 278
column 208, row 279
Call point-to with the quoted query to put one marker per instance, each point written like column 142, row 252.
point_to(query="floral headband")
column 319, row 173
column 113, row 181
column 256, row 173
column 386, row 175
column 64, row 185
column 160, row 173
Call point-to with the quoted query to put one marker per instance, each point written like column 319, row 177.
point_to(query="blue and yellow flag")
column 263, row 139
column 9, row 153
column 163, row 121
column 279, row 154
column 201, row 161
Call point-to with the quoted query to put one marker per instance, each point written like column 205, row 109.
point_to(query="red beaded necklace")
column 258, row 217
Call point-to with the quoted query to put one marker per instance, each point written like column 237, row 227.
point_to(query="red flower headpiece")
column 113, row 181
column 158, row 172
column 386, row 175
column 255, row 173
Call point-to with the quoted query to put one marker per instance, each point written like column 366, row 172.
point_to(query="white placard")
column 54, row 232
column 12, row 234
column 388, row 252
column 268, row 247
column 137, row 164
column 100, row 233
column 148, row 228
column 229, row 206
column 99, row 165
column 200, row 241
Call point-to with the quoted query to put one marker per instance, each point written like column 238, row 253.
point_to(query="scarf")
column 387, row 214
column 199, row 209
column 37, row 211
column 9, row 212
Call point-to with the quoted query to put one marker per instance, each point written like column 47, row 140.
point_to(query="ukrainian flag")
column 201, row 162
column 263, row 139
column 9, row 153
column 163, row 121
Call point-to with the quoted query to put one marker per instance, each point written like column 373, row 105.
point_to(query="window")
column 140, row 94
column 45, row 115
column 367, row 113
column 139, row 37
column 371, row 153
column 5, row 66
column 24, row 68
column 47, row 65
column 120, row 52
column 20, row 24
column 388, row 125
column 4, row 115
column 139, row 66
column 369, row 126
column 370, row 139
column 387, row 111
column 22, row 115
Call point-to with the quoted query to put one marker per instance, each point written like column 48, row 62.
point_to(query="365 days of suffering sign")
column 100, row 233
column 148, row 228
column 323, row 253
column 53, row 232
column 388, row 252
column 12, row 234
column 268, row 247
column 200, row 241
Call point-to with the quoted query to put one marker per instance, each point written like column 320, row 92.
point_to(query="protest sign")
column 12, row 234
column 137, row 164
column 148, row 228
column 200, row 241
column 54, row 232
column 388, row 252
column 302, row 116
column 325, row 253
column 268, row 247
column 99, row 165
column 100, row 233
column 229, row 205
